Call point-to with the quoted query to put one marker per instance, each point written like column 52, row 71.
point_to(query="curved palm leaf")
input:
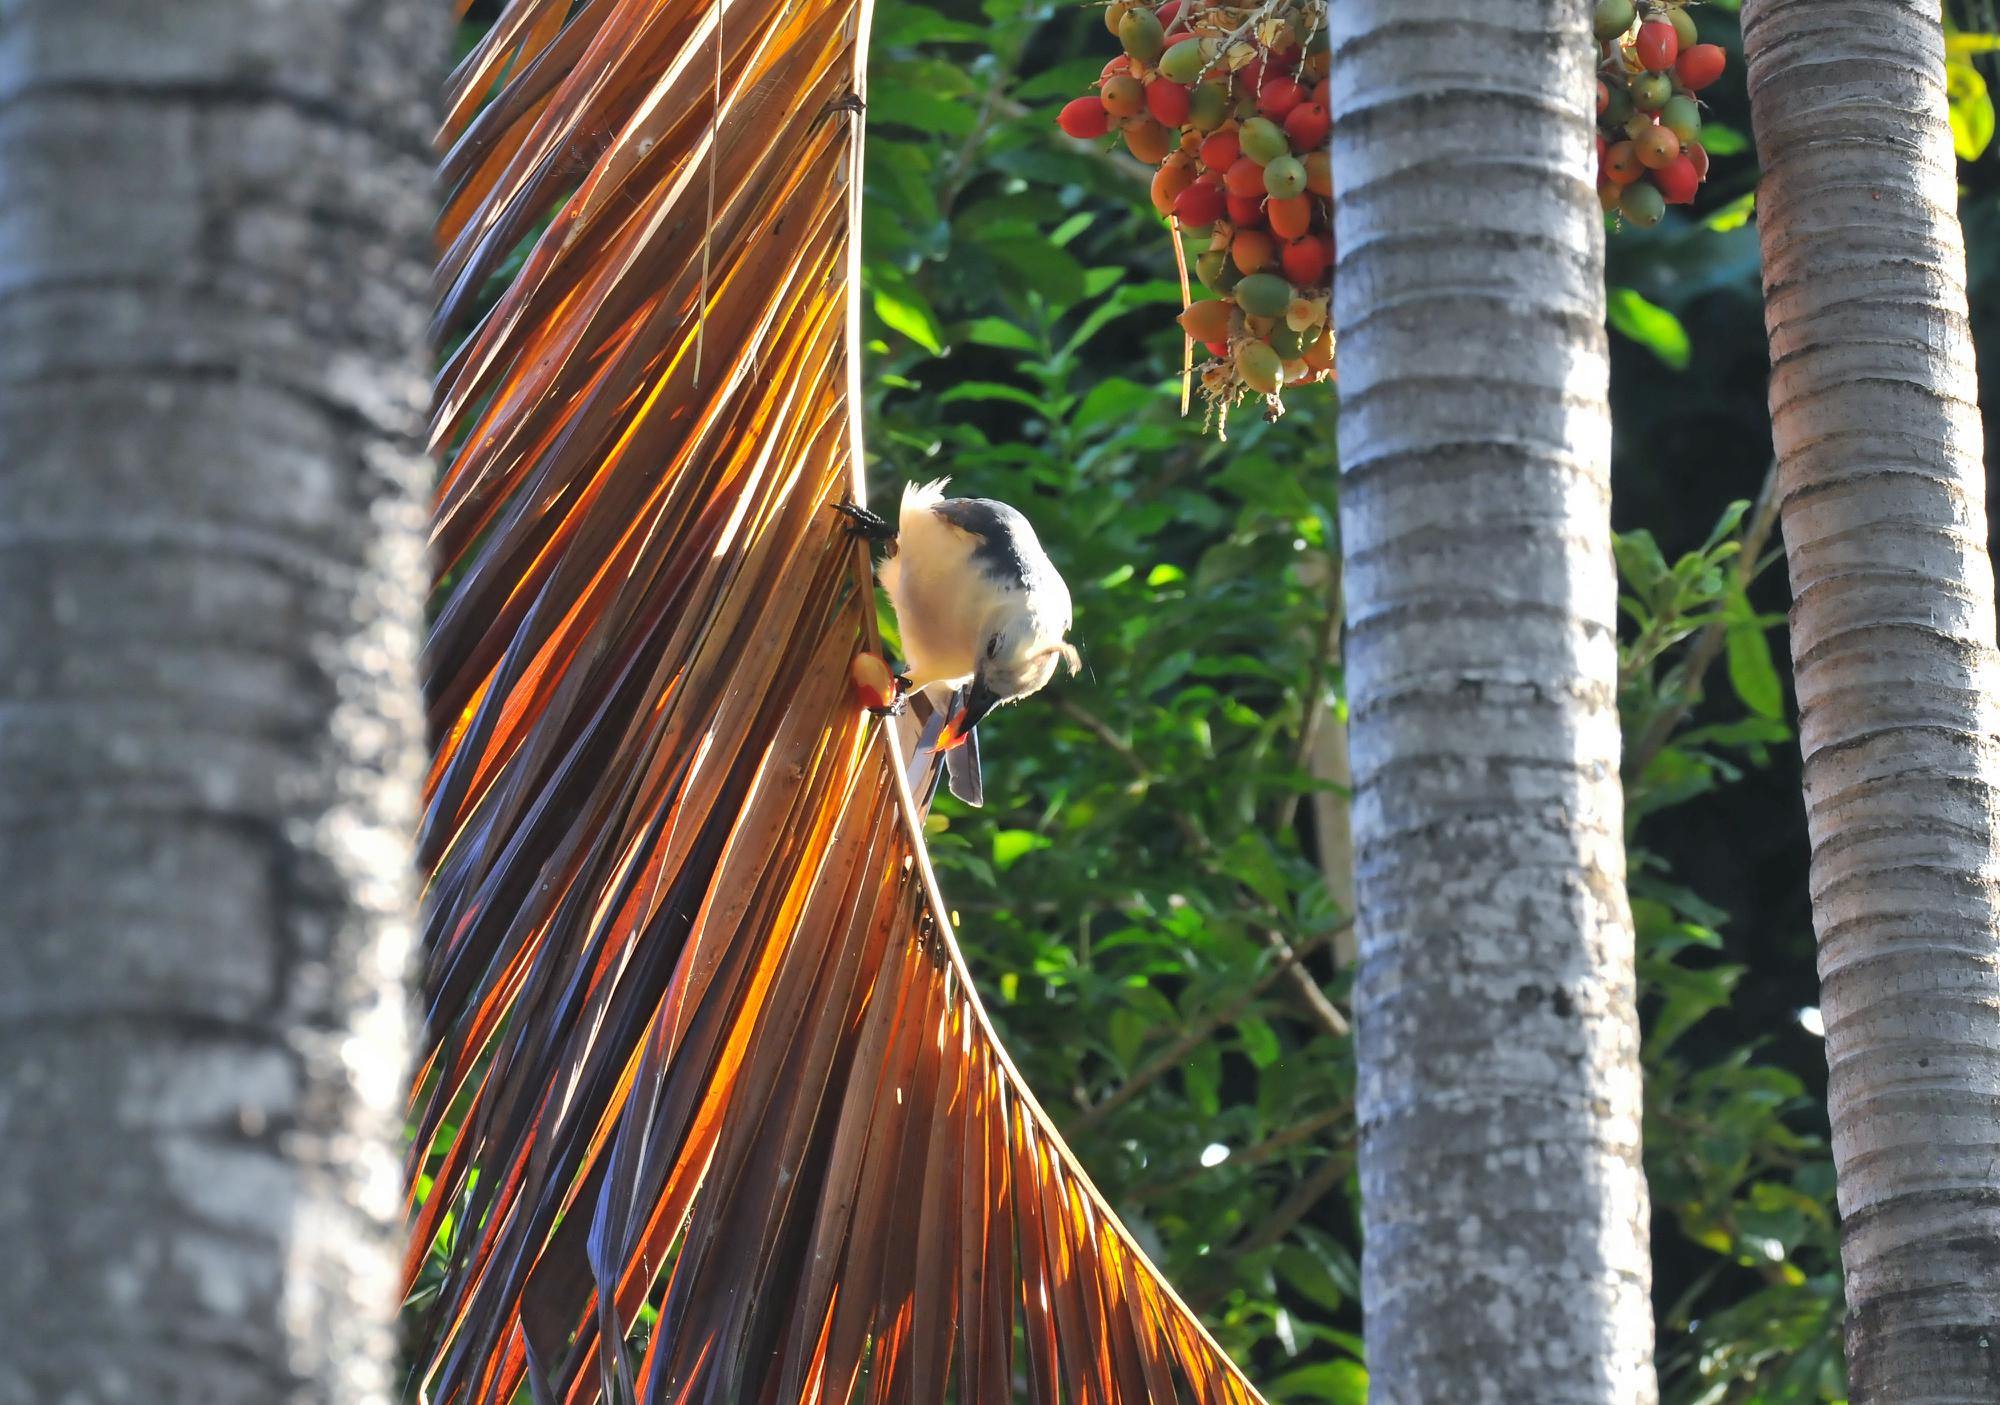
column 701, row 1050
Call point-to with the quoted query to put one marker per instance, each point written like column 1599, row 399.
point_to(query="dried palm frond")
column 709, row 1111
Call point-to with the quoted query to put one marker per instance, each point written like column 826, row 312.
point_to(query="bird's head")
column 1019, row 658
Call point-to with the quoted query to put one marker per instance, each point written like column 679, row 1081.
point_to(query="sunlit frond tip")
column 709, row 1110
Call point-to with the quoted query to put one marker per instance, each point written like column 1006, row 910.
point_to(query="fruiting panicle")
column 1650, row 66
column 1229, row 101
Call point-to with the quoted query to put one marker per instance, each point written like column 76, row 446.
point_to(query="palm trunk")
column 1504, row 1208
column 213, row 231
column 1874, row 404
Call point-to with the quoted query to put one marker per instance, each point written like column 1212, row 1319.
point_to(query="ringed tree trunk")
column 1874, row 405
column 1504, row 1207
column 214, row 226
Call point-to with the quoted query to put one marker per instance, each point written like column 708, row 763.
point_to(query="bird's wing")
column 961, row 765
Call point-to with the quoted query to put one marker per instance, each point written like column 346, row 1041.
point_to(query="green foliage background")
column 1143, row 826
column 1147, row 825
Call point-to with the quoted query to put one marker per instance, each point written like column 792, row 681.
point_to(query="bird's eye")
column 993, row 647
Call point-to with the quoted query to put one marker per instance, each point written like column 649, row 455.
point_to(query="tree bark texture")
column 1874, row 405
column 214, row 270
column 1504, row 1207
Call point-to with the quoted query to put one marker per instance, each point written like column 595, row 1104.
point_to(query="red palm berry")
column 1245, row 211
column 1278, row 97
column 1307, row 126
column 1678, row 181
column 1245, row 177
column 1168, row 102
column 1304, row 261
column 1084, row 117
column 1701, row 66
column 1200, row 204
column 1658, row 46
column 1220, row 150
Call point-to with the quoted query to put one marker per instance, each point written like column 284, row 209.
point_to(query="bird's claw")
column 863, row 523
column 899, row 704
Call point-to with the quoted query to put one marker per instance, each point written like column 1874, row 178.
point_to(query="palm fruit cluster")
column 1651, row 64
column 1229, row 101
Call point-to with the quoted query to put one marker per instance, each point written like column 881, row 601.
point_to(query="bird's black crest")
column 1000, row 530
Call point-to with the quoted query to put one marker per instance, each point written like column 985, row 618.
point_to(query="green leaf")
column 1333, row 1382
column 1260, row 1041
column 993, row 390
column 925, row 112
column 1064, row 81
column 1651, row 325
column 1734, row 215
column 1964, row 46
column 1113, row 400
column 1041, row 266
column 1203, row 1074
column 1639, row 560
column 1717, row 139
column 1309, row 1276
column 1971, row 110
column 1011, row 845
column 906, row 311
column 998, row 331
column 1726, row 524
column 1751, row 672
column 919, row 24
column 1128, row 1034
column 1076, row 224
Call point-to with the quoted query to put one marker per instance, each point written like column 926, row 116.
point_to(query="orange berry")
column 1168, row 183
column 1207, row 321
column 1148, row 140
column 1319, row 352
column 1123, row 96
column 1290, row 217
column 1319, row 173
column 1657, row 147
column 1252, row 250
column 1622, row 165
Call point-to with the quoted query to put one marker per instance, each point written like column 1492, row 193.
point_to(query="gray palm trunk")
column 1874, row 404
column 1504, row 1208
column 213, row 282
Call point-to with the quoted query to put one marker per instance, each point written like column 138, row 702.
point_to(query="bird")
column 981, row 609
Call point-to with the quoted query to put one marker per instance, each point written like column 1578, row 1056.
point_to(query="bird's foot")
column 864, row 523
column 899, row 701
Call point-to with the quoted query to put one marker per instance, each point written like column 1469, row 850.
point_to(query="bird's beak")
column 977, row 701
